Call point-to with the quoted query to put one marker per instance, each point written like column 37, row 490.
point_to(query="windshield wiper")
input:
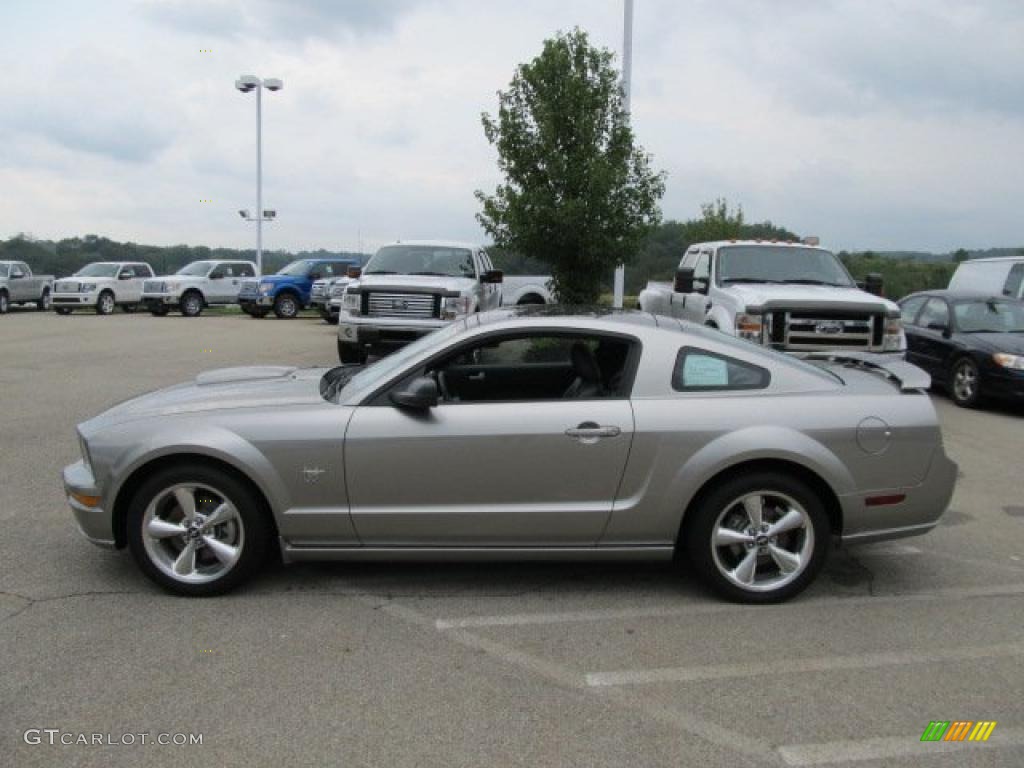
column 747, row 280
column 810, row 281
column 433, row 274
column 381, row 272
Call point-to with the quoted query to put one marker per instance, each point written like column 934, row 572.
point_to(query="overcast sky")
column 874, row 124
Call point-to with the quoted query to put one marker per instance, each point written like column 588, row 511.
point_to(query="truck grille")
column 822, row 329
column 65, row 288
column 416, row 305
column 319, row 290
column 152, row 286
column 250, row 288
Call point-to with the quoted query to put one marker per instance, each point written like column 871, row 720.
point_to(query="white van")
column 1003, row 276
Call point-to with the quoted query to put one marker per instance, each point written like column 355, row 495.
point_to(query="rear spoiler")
column 909, row 377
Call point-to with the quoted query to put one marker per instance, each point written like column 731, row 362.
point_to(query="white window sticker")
column 703, row 371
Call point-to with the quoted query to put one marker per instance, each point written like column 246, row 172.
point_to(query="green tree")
column 578, row 193
column 960, row 254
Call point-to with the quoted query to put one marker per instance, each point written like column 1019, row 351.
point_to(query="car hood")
column 219, row 390
column 415, row 283
column 277, row 279
column 179, row 278
column 769, row 296
column 1013, row 343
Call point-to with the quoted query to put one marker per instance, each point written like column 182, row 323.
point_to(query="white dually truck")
column 795, row 297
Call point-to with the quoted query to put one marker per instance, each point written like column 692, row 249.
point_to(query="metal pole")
column 619, row 289
column 259, row 180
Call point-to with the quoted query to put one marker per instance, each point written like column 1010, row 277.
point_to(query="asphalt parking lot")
column 478, row 665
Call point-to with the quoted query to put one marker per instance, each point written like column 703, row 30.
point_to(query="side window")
column 229, row 270
column 688, row 260
column 143, row 270
column 536, row 367
column 1013, row 281
column 697, row 370
column 245, row 270
column 17, row 271
column 325, row 269
column 702, row 272
column 909, row 309
column 935, row 312
column 127, row 272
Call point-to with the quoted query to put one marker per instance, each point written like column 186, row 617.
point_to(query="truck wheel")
column 159, row 311
column 43, row 305
column 5, row 303
column 259, row 312
column 760, row 537
column 129, row 308
column 191, row 304
column 62, row 310
column 351, row 354
column 197, row 530
column 105, row 303
column 286, row 306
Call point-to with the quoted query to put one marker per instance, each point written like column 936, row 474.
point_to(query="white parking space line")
column 831, row 752
column 886, row 550
column 788, row 666
column 697, row 609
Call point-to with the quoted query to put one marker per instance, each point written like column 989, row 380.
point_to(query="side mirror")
column 420, row 394
column 354, row 272
column 684, row 280
column 492, row 276
column 874, row 283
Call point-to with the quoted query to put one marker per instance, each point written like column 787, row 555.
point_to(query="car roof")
column 954, row 295
column 787, row 243
column 989, row 259
column 437, row 244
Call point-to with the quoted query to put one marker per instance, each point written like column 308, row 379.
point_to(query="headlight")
column 351, row 302
column 87, row 287
column 1013, row 362
column 749, row 327
column 266, row 287
column 338, row 290
column 170, row 287
column 454, row 306
column 893, row 341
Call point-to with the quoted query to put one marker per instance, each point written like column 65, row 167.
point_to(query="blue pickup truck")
column 288, row 291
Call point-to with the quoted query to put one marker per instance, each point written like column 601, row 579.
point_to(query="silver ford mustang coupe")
column 534, row 433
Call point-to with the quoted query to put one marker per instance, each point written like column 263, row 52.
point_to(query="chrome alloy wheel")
column 192, row 533
column 762, row 541
column 106, row 303
column 965, row 381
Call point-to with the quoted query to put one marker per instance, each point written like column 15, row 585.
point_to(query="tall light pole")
column 619, row 289
column 245, row 84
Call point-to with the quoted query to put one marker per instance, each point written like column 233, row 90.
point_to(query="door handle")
column 588, row 430
column 477, row 376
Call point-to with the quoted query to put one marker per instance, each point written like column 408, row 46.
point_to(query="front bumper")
column 73, row 299
column 918, row 513
column 1003, row 384
column 250, row 300
column 94, row 522
column 154, row 300
column 384, row 331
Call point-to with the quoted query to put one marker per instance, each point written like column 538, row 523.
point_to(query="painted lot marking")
column 788, row 666
column 886, row 748
column 696, row 609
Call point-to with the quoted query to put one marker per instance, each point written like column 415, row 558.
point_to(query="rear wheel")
column 129, row 308
column 965, row 383
column 43, row 305
column 5, row 303
column 191, row 304
column 351, row 354
column 259, row 313
column 197, row 530
column 758, row 538
column 62, row 310
column 105, row 303
column 159, row 311
column 286, row 306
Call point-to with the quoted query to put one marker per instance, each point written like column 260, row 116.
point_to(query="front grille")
column 319, row 290
column 153, row 286
column 414, row 305
column 825, row 329
column 65, row 288
column 249, row 289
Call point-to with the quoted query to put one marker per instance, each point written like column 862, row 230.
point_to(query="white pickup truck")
column 19, row 286
column 196, row 286
column 406, row 290
column 102, row 286
column 790, row 296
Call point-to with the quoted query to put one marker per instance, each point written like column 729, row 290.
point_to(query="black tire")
column 965, row 383
column 351, row 354
column 259, row 313
column 253, row 534
column 723, row 503
column 286, row 305
column 192, row 304
column 129, row 308
column 159, row 311
column 105, row 303
column 325, row 315
column 5, row 303
column 44, row 303
column 62, row 310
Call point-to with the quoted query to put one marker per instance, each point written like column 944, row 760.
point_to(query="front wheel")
column 43, row 305
column 191, row 304
column 159, row 311
column 286, row 306
column 5, row 303
column 758, row 538
column 351, row 354
column 105, row 303
column 129, row 308
column 62, row 310
column 196, row 530
column 965, row 383
column 259, row 313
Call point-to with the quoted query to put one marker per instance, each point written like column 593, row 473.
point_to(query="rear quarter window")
column 697, row 370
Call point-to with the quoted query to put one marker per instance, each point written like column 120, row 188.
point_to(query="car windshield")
column 421, row 260
column 98, row 270
column 196, row 268
column 299, row 268
column 377, row 372
column 989, row 316
column 780, row 264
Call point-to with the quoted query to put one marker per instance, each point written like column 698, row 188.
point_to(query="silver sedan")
column 522, row 434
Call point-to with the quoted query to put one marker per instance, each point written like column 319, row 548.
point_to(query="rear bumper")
column 920, row 510
column 94, row 522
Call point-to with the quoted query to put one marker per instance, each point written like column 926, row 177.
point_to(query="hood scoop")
column 249, row 373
